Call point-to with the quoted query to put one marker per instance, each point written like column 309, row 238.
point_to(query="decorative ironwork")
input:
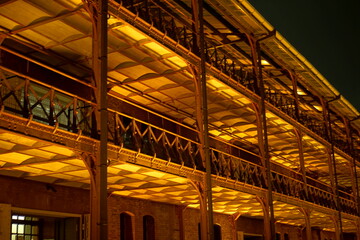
column 152, row 140
column 44, row 104
column 180, row 29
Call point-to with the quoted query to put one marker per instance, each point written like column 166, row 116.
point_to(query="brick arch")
column 127, row 228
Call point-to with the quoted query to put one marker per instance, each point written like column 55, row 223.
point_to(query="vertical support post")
column 265, row 136
column 180, row 213
column 333, row 160
column 298, row 134
column 262, row 125
column 26, row 109
column 355, row 184
column 74, row 116
column 206, row 126
column 198, row 16
column 307, row 213
column 98, row 11
column 52, row 114
column 233, row 219
column 295, row 94
column 337, row 227
column 357, row 229
column 267, row 227
column 102, row 88
column 199, row 187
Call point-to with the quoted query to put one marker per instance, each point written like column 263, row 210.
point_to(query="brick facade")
column 168, row 218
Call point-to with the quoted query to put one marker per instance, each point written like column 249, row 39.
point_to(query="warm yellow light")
column 131, row 32
column 300, row 92
column 319, row 108
column 264, row 62
column 157, row 48
column 177, row 61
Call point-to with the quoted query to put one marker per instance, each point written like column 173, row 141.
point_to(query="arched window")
column 148, row 228
column 286, row 236
column 217, row 231
column 126, row 228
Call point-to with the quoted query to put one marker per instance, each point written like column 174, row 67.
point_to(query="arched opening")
column 126, row 228
column 286, row 236
column 148, row 227
column 217, row 231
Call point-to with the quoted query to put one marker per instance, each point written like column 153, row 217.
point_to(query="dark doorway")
column 148, row 227
column 126, row 228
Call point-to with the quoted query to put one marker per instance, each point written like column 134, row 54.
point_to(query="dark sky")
column 326, row 33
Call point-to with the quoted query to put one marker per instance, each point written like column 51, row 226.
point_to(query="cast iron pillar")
column 262, row 123
column 199, row 47
column 98, row 11
column 338, row 221
column 307, row 213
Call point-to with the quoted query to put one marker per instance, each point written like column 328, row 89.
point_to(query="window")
column 37, row 227
column 148, row 227
column 277, row 236
column 126, row 228
column 25, row 227
column 217, row 232
column 286, row 236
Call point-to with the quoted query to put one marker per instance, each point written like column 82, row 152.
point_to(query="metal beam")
column 37, row 24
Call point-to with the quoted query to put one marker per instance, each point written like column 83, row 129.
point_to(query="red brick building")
column 171, row 119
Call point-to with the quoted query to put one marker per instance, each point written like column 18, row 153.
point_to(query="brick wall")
column 168, row 218
column 165, row 215
column 42, row 196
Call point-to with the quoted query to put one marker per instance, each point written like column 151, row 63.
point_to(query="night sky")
column 326, row 33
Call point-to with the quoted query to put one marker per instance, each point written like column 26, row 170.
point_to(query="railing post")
column 299, row 136
column 52, row 118
column 26, row 108
column 295, row 95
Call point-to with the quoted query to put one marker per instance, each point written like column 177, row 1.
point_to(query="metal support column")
column 256, row 55
column 338, row 232
column 307, row 213
column 333, row 160
column 98, row 11
column 299, row 135
column 357, row 229
column 203, row 125
column 354, row 172
column 206, row 129
column 102, row 88
column 267, row 228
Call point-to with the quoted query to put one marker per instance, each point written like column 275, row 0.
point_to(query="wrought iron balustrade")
column 180, row 28
column 238, row 169
column 41, row 103
column 348, row 206
column 154, row 141
column 281, row 101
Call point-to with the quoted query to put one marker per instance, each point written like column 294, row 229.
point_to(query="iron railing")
column 26, row 98
column 157, row 142
column 39, row 102
column 180, row 29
